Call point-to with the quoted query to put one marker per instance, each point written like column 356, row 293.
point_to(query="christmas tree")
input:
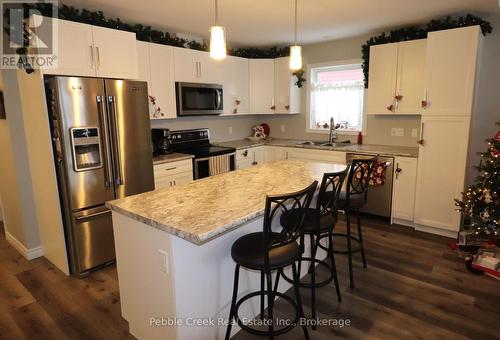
column 480, row 204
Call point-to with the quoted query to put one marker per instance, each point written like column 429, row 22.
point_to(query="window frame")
column 308, row 97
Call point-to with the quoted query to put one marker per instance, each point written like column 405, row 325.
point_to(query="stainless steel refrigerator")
column 102, row 147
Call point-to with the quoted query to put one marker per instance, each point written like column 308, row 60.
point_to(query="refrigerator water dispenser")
column 86, row 145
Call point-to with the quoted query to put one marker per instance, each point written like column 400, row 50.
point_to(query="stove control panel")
column 189, row 136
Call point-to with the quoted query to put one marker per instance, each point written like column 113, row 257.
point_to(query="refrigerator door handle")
column 86, row 217
column 108, row 175
column 116, row 137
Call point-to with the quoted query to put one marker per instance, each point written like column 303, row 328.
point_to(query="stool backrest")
column 278, row 204
column 358, row 179
column 329, row 191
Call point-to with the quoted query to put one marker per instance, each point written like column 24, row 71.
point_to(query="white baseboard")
column 29, row 254
column 436, row 231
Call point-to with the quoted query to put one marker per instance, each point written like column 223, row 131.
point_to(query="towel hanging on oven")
column 377, row 177
column 218, row 164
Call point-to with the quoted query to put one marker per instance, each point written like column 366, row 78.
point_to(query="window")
column 336, row 90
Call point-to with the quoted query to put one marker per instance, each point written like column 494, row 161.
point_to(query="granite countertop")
column 202, row 210
column 386, row 150
column 172, row 157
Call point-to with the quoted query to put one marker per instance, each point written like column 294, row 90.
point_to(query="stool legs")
column 360, row 236
column 296, row 282
column 349, row 249
column 262, row 289
column 270, row 303
column 313, row 278
column 334, row 267
column 232, row 312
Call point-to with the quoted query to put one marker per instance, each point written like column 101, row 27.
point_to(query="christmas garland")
column 419, row 32
column 143, row 33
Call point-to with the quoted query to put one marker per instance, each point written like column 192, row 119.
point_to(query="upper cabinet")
column 156, row 67
column 91, row 51
column 235, row 84
column 396, row 82
column 286, row 93
column 451, row 71
column 382, row 79
column 262, row 86
column 410, row 76
column 196, row 67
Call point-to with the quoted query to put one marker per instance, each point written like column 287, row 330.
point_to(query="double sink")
column 324, row 144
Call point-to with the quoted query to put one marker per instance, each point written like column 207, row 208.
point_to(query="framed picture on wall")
column 2, row 107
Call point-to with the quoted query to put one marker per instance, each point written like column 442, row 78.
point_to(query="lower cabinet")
column 403, row 195
column 246, row 158
column 275, row 153
column 317, row 155
column 173, row 174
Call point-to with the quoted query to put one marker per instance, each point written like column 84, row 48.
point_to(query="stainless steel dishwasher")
column 379, row 197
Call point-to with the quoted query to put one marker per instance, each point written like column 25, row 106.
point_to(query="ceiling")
column 270, row 22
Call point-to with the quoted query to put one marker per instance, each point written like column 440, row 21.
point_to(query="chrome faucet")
column 333, row 131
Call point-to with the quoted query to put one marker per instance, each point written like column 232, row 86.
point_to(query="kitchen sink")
column 325, row 144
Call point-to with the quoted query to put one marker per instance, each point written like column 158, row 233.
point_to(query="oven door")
column 202, row 166
column 198, row 99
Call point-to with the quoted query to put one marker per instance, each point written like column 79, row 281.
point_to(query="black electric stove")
column 196, row 142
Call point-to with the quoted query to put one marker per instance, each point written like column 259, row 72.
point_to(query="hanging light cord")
column 216, row 13
column 295, row 22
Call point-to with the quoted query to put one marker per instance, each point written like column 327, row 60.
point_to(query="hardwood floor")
column 414, row 287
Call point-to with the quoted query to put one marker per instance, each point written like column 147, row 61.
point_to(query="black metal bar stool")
column 319, row 224
column 269, row 251
column 352, row 200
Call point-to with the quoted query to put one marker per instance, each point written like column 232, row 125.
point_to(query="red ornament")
column 495, row 152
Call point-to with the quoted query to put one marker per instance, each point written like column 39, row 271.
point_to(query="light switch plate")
column 414, row 133
column 282, row 128
column 397, row 132
column 230, row 130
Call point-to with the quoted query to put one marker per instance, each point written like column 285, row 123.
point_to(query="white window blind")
column 336, row 91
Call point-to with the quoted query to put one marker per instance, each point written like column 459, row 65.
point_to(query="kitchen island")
column 173, row 248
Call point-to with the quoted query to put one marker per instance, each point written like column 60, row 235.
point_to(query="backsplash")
column 222, row 129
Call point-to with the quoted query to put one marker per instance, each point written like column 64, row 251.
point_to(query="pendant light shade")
column 295, row 50
column 295, row 57
column 217, row 38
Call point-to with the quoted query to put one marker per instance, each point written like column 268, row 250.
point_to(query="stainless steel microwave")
column 194, row 99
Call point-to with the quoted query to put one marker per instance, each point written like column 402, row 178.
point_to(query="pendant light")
column 295, row 50
column 217, row 38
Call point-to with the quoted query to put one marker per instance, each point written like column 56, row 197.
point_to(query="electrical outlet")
column 414, row 133
column 283, row 128
column 397, row 132
column 230, row 130
column 163, row 261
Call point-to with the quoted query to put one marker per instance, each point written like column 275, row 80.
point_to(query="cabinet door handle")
column 199, row 63
column 170, row 183
column 245, row 154
column 173, row 168
column 398, row 170
column 98, row 57
column 425, row 102
column 421, row 140
column 91, row 57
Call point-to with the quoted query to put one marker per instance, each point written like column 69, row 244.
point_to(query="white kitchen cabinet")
column 196, row 66
column 451, row 71
column 411, row 76
column 382, row 79
column 403, row 195
column 441, row 171
column 144, row 71
column 92, row 51
column 275, row 153
column 246, row 158
column 287, row 94
column 261, row 86
column 75, row 55
column 173, row 174
column 327, row 156
column 396, row 80
column 235, row 84
column 162, row 81
column 116, row 53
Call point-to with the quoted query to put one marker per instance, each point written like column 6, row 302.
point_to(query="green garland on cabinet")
column 143, row 33
column 420, row 32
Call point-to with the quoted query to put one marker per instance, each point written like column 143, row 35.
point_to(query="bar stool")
column 269, row 251
column 352, row 200
column 319, row 224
